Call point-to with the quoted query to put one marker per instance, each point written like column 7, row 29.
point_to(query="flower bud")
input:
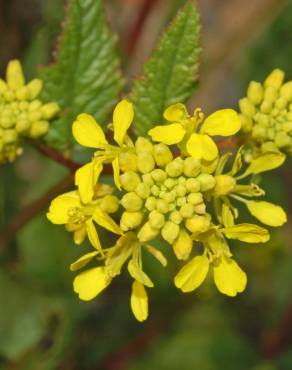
column 266, row 107
column 143, row 145
column 282, row 139
column 145, row 162
column 182, row 247
column 156, row 219
column 180, row 201
column 22, row 126
column 224, row 185
column 175, row 168
column 271, row 94
column 200, row 208
column 34, row 88
column 158, row 175
column 155, row 190
column 198, row 224
column 22, row 93
column 192, row 167
column 128, row 161
column 269, row 146
column 162, row 206
column 255, row 92
column 9, row 136
column 49, row 110
column 131, row 202
column 38, row 128
column 34, row 105
column 170, row 231
column 286, row 91
column 130, row 180
column 259, row 132
column 147, row 233
column 274, row 79
column 175, row 217
column 79, row 235
column 207, row 182
column 180, row 190
column 150, row 203
column 246, row 107
column 131, row 220
column 143, row 190
column 162, row 154
column 192, row 185
column 170, row 183
column 109, row 204
column 195, row 198
column 281, row 104
column 187, row 210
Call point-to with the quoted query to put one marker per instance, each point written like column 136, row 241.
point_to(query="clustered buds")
column 174, row 192
column 22, row 114
column 266, row 115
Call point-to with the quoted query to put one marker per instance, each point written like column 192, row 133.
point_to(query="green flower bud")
column 156, row 219
column 175, row 217
column 155, row 190
column 170, row 183
column 266, row 106
column 282, row 140
column 49, row 110
column 147, row 179
column 182, row 180
column 192, row 167
column 147, row 233
column 158, row 175
column 262, row 119
column 187, row 210
column 207, row 181
column 128, row 161
column 143, row 145
column 286, row 91
column 151, row 203
column 162, row 206
column 162, row 154
column 170, row 231
column 271, row 94
column 259, row 132
column 269, row 146
column 38, row 128
column 180, row 201
column 246, row 107
column 175, row 168
column 130, row 180
column 198, row 224
column 224, row 185
column 145, row 162
column 131, row 202
column 195, row 198
column 180, row 190
column 183, row 245
column 169, row 196
column 131, row 220
column 246, row 123
column 255, row 92
column 143, row 190
column 274, row 79
column 192, row 185
column 109, row 204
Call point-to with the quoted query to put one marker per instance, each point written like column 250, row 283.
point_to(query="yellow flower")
column 21, row 113
column 69, row 210
column 89, row 283
column 184, row 128
column 88, row 133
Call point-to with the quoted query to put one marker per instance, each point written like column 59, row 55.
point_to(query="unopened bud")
column 109, row 204
column 246, row 107
column 271, row 94
column 147, row 232
column 156, row 219
column 198, row 224
column 281, row 103
column 22, row 126
column 224, row 185
column 49, row 110
column 38, row 128
column 175, row 168
column 79, row 235
column 170, row 231
column 195, row 198
column 269, row 146
column 22, row 93
column 192, row 185
column 143, row 145
column 192, row 167
column 255, row 92
column 187, row 210
column 259, row 132
column 180, row 201
column 170, row 183
column 162, row 154
column 158, row 175
column 200, row 208
column 286, row 91
column 275, row 79
column 143, row 190
column 34, row 105
column 282, row 139
column 128, row 161
column 182, row 247
column 162, row 206
column 34, row 87
column 150, row 203
column 207, row 181
column 9, row 136
column 180, row 190
column 266, row 106
column 131, row 220
column 130, row 180
column 145, row 162
column 131, row 202
column 175, row 217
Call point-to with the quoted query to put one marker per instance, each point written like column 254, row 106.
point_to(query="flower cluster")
column 21, row 113
column 266, row 115
column 173, row 190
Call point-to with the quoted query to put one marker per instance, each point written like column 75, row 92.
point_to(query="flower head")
column 22, row 114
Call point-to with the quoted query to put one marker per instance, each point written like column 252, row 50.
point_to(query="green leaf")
column 170, row 75
column 86, row 76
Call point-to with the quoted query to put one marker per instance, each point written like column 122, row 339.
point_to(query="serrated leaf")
column 86, row 76
column 170, row 75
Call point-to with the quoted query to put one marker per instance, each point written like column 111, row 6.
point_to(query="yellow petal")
column 229, row 278
column 58, row 211
column 138, row 274
column 224, row 122
column 116, row 170
column 268, row 213
column 14, row 75
column 168, row 134
column 82, row 261
column 87, row 131
column 90, row 283
column 248, row 233
column 175, row 112
column 86, row 178
column 104, row 220
column 183, row 245
column 192, row 274
column 264, row 162
column 156, row 254
column 122, row 119
column 227, row 215
column 202, row 147
column 92, row 235
column 139, row 301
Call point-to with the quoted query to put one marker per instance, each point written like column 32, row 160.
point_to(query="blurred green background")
column 43, row 325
